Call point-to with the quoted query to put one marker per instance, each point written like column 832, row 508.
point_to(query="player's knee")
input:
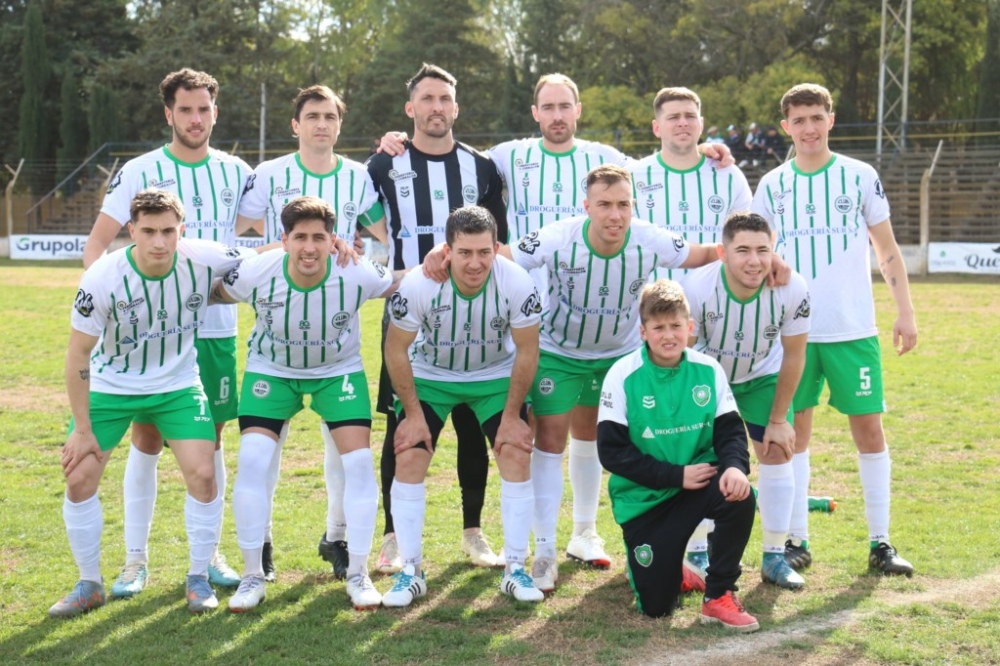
column 868, row 433
column 81, row 484
column 200, row 478
column 514, row 463
column 411, row 465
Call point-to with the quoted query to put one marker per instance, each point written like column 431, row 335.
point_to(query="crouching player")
column 141, row 307
column 306, row 341
column 669, row 433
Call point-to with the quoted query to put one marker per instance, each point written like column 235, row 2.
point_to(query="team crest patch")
column 636, row 286
column 341, row 320
column 842, row 204
column 470, row 193
column 716, row 204
column 771, row 332
column 643, row 555
column 261, row 388
column 350, row 211
column 194, row 301
column 546, row 386
column 498, row 323
column 228, row 197
column 701, row 394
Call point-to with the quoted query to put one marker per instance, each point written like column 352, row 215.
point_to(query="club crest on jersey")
column 397, row 306
column 701, row 394
column 228, row 197
column 643, row 555
column 716, row 204
column 341, row 320
column 115, row 183
column 84, row 303
column 261, row 388
column 649, row 401
column 402, row 175
column 194, row 301
column 546, row 385
column 583, row 185
column 636, row 286
column 843, row 204
column 803, row 310
column 771, row 332
column 439, row 195
column 350, row 211
column 529, row 243
column 532, row 305
column 498, row 323
column 470, row 193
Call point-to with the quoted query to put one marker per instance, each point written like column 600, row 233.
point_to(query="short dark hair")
column 303, row 209
column 428, row 71
column 608, row 174
column 806, row 94
column 317, row 93
column 675, row 94
column 469, row 220
column 188, row 79
column 663, row 297
column 743, row 220
column 152, row 201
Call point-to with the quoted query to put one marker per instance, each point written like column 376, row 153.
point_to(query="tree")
column 989, row 78
column 72, row 126
column 102, row 117
column 33, row 134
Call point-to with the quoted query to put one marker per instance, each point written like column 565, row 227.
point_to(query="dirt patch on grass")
column 31, row 398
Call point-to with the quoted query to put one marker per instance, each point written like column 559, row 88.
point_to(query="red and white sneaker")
column 729, row 612
column 691, row 580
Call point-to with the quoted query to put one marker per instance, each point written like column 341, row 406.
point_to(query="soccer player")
column 596, row 265
column 315, row 170
column 824, row 208
column 306, row 341
column 675, row 445
column 471, row 340
column 141, row 307
column 209, row 183
column 758, row 335
column 418, row 190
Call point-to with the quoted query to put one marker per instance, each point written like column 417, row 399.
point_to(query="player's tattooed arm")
column 85, row 375
column 219, row 293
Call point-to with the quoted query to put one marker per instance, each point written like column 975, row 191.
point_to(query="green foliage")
column 102, row 117
column 36, row 69
column 989, row 77
column 72, row 125
column 611, row 111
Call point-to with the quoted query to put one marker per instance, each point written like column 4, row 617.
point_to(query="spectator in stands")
column 773, row 147
column 714, row 135
column 752, row 146
column 735, row 143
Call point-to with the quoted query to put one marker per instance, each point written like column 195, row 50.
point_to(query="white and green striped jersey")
column 465, row 338
column 593, row 309
column 147, row 325
column 305, row 333
column 543, row 186
column 348, row 189
column 210, row 191
column 693, row 203
column 744, row 336
column 822, row 220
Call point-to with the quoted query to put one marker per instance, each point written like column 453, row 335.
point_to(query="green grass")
column 942, row 429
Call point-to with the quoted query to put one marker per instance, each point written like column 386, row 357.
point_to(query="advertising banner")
column 47, row 246
column 978, row 258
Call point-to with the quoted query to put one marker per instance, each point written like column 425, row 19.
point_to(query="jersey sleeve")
column 492, row 198
column 797, row 307
column 91, row 310
column 220, row 258
column 375, row 278
column 726, row 402
column 762, row 202
column 253, row 202
column 118, row 197
column 531, row 251
column 526, row 304
column 500, row 156
column 875, row 205
column 742, row 194
column 370, row 204
column 671, row 249
column 241, row 281
column 696, row 288
column 404, row 305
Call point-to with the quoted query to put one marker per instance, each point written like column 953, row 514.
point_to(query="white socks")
column 798, row 526
column 220, row 485
column 139, row 496
column 517, row 502
column 202, row 521
column 698, row 543
column 776, row 487
column 547, row 481
column 84, row 524
column 360, row 503
column 876, row 472
column 585, row 480
column 409, row 503
column 333, row 472
column 272, row 479
column 251, row 501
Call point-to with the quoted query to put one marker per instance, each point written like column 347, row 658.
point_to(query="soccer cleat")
column 267, row 561
column 518, row 584
column 797, row 556
column 86, row 596
column 479, row 551
column 200, row 595
column 884, row 559
column 220, row 573
column 130, row 581
column 698, row 559
column 334, row 552
column 389, row 561
column 691, row 578
column 406, row 587
column 248, row 595
column 362, row 592
column 589, row 549
column 545, row 573
column 729, row 612
column 774, row 569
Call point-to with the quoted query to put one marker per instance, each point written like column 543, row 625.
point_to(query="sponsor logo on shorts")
column 643, row 555
column 771, row 332
column 546, row 386
column 261, row 388
column 701, row 394
column 194, row 301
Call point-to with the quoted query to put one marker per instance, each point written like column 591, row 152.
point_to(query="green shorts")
column 178, row 415
column 854, row 371
column 341, row 398
column 755, row 398
column 563, row 383
column 486, row 398
column 217, row 368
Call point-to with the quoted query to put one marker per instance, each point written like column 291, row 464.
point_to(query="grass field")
column 944, row 399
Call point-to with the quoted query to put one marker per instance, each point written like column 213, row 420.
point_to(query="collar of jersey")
column 586, row 240
column 176, row 160
column 809, row 174
column 659, row 158
column 340, row 162
column 304, row 290
column 741, row 301
column 454, row 287
column 131, row 261
column 659, row 371
column 546, row 151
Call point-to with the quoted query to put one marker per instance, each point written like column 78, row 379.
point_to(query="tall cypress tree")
column 72, row 125
column 989, row 79
column 36, row 69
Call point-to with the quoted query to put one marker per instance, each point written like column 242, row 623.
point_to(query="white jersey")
column 822, row 222
column 543, row 186
column 348, row 189
column 147, row 325
column 744, row 336
column 305, row 333
column 594, row 300
column 210, row 191
column 694, row 202
column 465, row 338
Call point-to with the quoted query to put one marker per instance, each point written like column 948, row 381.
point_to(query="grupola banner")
column 978, row 258
column 47, row 246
